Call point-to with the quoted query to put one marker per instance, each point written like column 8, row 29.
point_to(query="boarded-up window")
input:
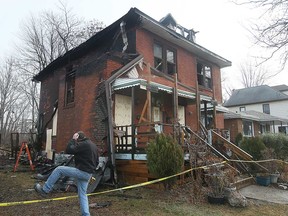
column 181, row 115
column 123, row 114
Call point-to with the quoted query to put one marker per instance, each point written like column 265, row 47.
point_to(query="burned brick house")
column 135, row 78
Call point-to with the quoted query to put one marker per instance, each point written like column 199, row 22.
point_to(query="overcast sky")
column 221, row 24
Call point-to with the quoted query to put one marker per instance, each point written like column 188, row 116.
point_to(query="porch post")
column 110, row 127
column 205, row 114
column 175, row 109
column 214, row 109
column 132, row 122
column 198, row 110
column 148, row 95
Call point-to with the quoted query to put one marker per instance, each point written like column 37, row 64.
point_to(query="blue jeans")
column 82, row 184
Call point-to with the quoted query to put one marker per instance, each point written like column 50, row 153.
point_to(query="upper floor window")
column 242, row 109
column 266, row 108
column 164, row 59
column 204, row 75
column 70, row 87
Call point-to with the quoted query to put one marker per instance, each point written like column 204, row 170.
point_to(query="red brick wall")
column 234, row 126
column 186, row 62
column 256, row 128
column 84, row 116
column 186, row 70
column 77, row 117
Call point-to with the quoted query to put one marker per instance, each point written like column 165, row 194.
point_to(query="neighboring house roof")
column 254, row 95
column 240, row 115
column 280, row 88
column 255, row 116
column 263, row 117
column 132, row 18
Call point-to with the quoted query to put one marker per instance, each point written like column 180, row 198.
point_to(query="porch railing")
column 133, row 139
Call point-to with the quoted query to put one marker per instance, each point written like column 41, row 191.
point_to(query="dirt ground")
column 18, row 186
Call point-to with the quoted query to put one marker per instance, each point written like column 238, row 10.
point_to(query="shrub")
column 253, row 146
column 238, row 139
column 164, row 158
column 277, row 142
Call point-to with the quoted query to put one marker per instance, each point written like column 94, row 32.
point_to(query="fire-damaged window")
column 204, row 75
column 164, row 59
column 70, row 88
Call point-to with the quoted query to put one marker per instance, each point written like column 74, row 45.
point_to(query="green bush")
column 238, row 139
column 253, row 146
column 277, row 142
column 164, row 158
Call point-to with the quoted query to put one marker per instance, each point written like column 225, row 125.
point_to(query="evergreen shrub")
column 164, row 158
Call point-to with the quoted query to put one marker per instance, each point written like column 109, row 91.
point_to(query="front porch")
column 130, row 155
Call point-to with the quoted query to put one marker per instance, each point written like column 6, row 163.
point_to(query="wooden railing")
column 134, row 138
column 229, row 145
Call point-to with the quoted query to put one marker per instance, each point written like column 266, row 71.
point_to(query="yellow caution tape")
column 108, row 191
column 136, row 185
column 259, row 161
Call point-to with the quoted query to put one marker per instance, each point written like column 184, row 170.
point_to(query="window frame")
column 162, row 63
column 250, row 130
column 203, row 78
column 70, row 87
column 266, row 108
column 242, row 108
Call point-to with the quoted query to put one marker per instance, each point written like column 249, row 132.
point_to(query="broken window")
column 171, row 64
column 158, row 58
column 204, row 75
column 70, row 88
column 164, row 59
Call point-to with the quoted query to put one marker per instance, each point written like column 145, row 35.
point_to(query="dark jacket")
column 85, row 154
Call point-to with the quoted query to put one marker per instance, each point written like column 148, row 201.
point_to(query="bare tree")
column 51, row 34
column 12, row 102
column 227, row 92
column 270, row 31
column 43, row 39
column 252, row 75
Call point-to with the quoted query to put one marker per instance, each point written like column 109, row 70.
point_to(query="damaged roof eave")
column 132, row 18
column 170, row 35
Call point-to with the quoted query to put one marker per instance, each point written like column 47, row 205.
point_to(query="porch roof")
column 122, row 83
column 254, row 115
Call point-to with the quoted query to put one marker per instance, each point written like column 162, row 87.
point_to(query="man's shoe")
column 40, row 190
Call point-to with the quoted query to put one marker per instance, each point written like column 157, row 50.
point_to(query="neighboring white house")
column 264, row 99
